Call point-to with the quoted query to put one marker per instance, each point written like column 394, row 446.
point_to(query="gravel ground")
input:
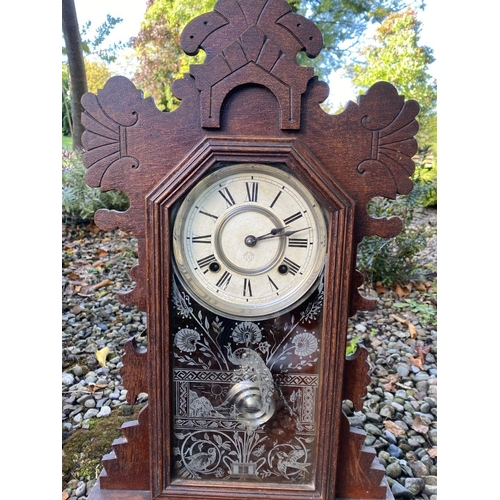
column 400, row 409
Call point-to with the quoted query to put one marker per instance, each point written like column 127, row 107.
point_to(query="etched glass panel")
column 245, row 393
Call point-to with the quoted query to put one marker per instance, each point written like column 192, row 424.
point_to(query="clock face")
column 249, row 240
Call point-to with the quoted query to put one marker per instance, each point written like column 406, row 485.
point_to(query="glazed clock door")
column 246, row 311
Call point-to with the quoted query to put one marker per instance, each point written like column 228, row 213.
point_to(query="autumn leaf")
column 420, row 425
column 420, row 287
column 380, row 288
column 390, row 385
column 102, row 252
column 95, row 387
column 102, row 283
column 402, row 291
column 101, row 355
column 411, row 327
column 394, row 428
column 65, row 495
column 433, row 452
column 421, row 351
column 417, row 362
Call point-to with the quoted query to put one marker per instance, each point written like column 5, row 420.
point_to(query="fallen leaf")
column 413, row 330
column 101, row 252
column 390, row 385
column 411, row 327
column 402, row 291
column 398, row 318
column 106, row 282
column 433, row 452
column 380, row 288
column 65, row 496
column 394, row 428
column 101, row 355
column 73, row 276
column 420, row 425
column 95, row 387
column 422, row 350
column 417, row 362
column 105, row 240
column 77, row 309
column 420, row 287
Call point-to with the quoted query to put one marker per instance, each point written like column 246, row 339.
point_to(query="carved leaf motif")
column 106, row 118
column 392, row 124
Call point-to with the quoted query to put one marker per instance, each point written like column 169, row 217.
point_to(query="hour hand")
column 274, row 232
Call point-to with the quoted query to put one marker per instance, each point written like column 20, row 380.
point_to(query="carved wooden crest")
column 249, row 101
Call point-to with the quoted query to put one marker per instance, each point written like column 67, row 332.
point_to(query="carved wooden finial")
column 251, row 42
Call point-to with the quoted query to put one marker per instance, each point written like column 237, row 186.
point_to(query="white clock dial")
column 249, row 239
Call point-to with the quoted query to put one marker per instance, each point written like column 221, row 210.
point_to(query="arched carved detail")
column 251, row 42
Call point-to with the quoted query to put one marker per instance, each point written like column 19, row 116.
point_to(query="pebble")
column 398, row 392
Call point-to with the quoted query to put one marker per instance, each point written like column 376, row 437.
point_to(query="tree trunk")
column 77, row 76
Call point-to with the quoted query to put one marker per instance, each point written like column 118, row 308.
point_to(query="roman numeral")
column 224, row 281
column 272, row 284
column 207, row 238
column 276, row 199
column 208, row 215
column 206, row 261
column 297, row 242
column 227, row 196
column 247, row 288
column 292, row 266
column 252, row 191
column 292, row 218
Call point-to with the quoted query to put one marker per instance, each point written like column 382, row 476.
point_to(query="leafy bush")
column 393, row 260
column 79, row 201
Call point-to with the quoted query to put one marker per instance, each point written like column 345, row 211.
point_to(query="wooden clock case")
column 249, row 101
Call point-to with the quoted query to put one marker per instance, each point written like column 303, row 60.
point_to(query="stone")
column 373, row 430
column 91, row 413
column 399, row 491
column 105, row 411
column 126, row 410
column 394, row 451
column 419, row 469
column 68, row 378
column 81, row 489
column 393, row 470
column 414, row 484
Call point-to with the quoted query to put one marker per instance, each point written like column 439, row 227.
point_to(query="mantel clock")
column 248, row 203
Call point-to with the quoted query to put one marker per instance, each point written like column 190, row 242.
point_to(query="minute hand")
column 286, row 233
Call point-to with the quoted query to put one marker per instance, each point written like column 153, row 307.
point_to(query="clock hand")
column 289, row 233
column 274, row 232
column 286, row 233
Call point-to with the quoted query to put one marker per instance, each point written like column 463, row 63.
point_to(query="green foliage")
column 66, row 102
column 342, row 23
column 394, row 55
column 161, row 60
column 157, row 47
column 426, row 313
column 97, row 72
column 67, row 142
column 393, row 260
column 352, row 346
column 79, row 201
